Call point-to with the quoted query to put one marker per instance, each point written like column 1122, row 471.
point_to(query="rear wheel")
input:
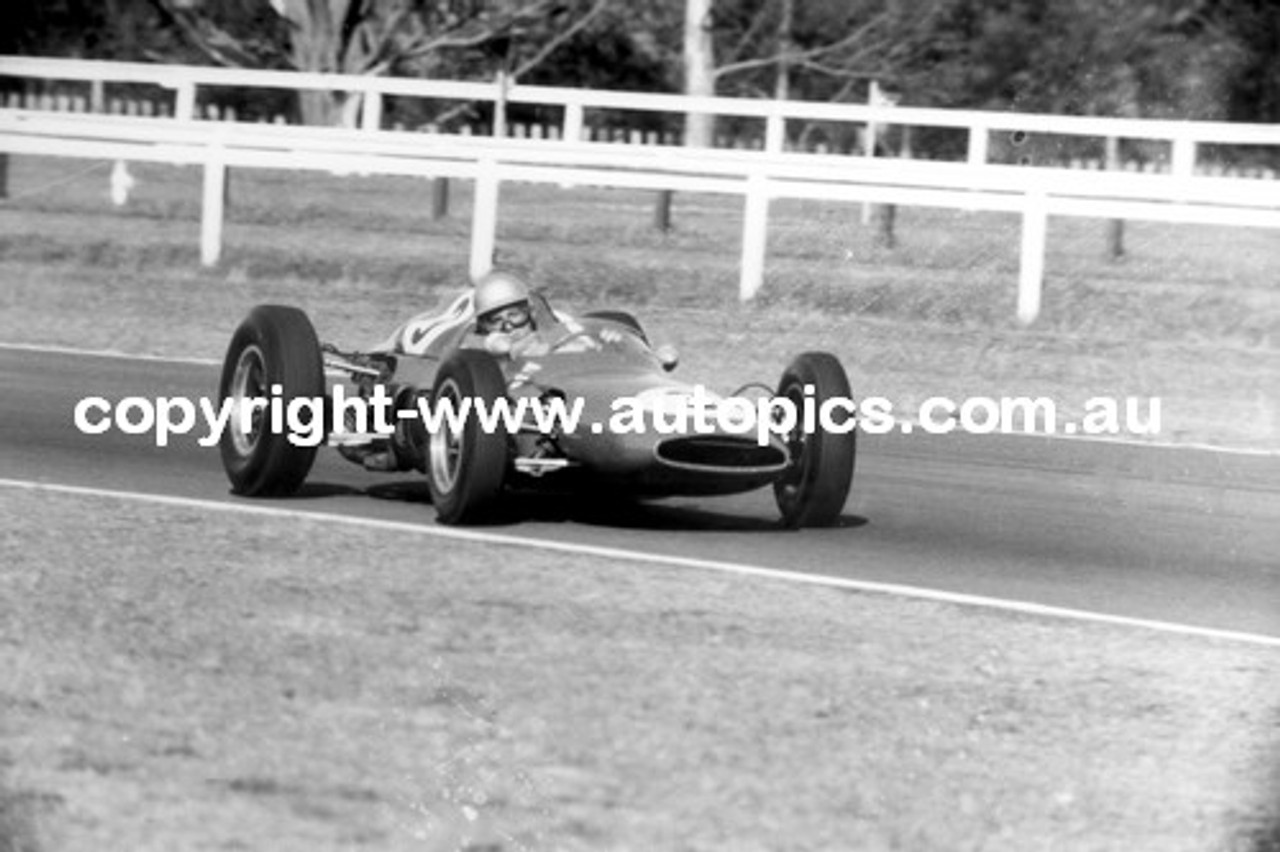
column 466, row 465
column 813, row 490
column 274, row 346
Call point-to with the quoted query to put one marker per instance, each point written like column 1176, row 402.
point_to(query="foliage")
column 434, row 38
column 1202, row 59
column 828, row 49
column 83, row 28
column 1250, row 31
column 1107, row 57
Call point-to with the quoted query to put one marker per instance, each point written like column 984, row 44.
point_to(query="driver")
column 511, row 322
column 504, row 314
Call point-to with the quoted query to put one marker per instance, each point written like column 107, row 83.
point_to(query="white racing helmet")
column 497, row 290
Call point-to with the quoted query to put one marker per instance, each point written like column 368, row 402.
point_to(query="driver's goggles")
column 505, row 319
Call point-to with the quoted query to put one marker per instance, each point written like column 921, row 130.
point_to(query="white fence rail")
column 757, row 175
column 1183, row 137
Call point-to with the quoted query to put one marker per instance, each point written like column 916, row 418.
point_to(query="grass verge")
column 210, row 680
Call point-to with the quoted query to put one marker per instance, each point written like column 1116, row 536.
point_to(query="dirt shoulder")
column 179, row 679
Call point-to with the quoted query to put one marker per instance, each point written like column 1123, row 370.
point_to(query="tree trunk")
column 782, row 85
column 699, row 62
column 699, row 70
column 317, row 46
column 319, row 108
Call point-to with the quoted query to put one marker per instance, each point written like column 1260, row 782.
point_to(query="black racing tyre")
column 813, row 490
column 621, row 318
column 275, row 345
column 466, row 468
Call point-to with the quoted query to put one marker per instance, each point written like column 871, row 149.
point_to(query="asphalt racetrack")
column 1180, row 535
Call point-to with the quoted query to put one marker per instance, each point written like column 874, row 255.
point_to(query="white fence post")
column 755, row 230
column 501, row 84
column 1035, row 228
column 214, row 204
column 775, row 133
column 869, row 145
column 371, row 111
column 1183, row 163
column 184, row 108
column 121, row 183
column 484, row 218
column 979, row 146
column 979, row 140
column 572, row 123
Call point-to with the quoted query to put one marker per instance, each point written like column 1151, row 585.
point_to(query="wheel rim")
column 249, row 381
column 444, row 447
column 791, row 482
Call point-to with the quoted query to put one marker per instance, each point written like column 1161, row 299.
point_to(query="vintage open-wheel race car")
column 588, row 363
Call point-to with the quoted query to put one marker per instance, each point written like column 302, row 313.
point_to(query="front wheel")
column 815, row 487
column 276, row 347
column 466, row 465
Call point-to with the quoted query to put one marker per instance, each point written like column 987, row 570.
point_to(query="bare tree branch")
column 371, row 36
column 215, row 43
column 450, row 42
column 757, row 24
column 801, row 57
column 847, row 73
column 555, row 43
column 377, row 38
column 528, row 65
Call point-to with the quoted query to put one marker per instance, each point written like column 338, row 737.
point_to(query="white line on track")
column 1099, row 439
column 501, row 540
column 107, row 353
